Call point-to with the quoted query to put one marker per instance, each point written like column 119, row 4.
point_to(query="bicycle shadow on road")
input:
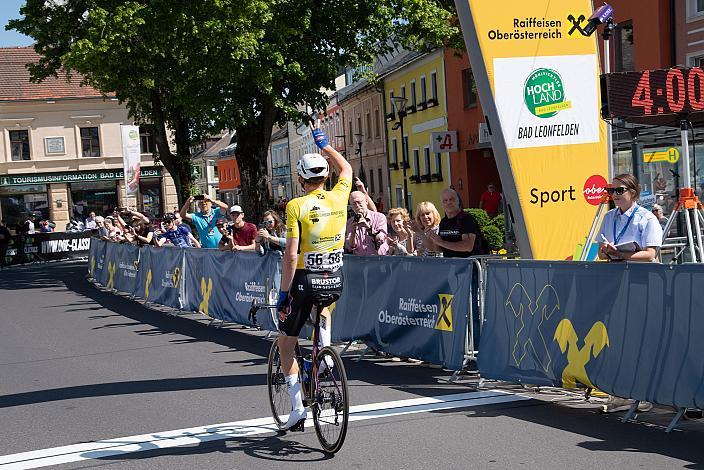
column 270, row 448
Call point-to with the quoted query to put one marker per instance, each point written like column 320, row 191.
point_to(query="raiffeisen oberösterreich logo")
column 413, row 312
column 544, row 93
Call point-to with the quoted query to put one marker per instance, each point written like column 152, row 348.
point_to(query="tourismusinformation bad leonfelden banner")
column 537, row 76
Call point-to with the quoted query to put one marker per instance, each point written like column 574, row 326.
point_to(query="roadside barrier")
column 413, row 307
column 633, row 330
column 50, row 246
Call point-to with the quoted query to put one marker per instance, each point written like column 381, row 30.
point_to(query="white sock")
column 294, row 392
column 324, row 340
column 324, row 332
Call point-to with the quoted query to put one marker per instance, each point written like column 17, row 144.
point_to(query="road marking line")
column 214, row 432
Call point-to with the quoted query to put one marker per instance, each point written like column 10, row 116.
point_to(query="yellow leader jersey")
column 318, row 220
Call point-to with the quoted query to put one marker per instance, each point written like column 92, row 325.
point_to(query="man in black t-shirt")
column 459, row 235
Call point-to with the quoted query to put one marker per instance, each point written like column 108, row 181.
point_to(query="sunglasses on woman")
column 618, row 191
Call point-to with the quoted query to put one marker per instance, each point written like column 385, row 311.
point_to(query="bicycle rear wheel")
column 276, row 382
column 331, row 407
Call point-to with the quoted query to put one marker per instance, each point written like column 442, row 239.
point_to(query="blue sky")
column 9, row 10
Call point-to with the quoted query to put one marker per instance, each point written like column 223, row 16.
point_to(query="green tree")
column 199, row 66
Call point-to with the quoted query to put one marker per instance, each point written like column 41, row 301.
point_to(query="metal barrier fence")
column 421, row 308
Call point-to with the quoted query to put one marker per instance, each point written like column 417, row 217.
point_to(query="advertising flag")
column 131, row 157
column 537, row 74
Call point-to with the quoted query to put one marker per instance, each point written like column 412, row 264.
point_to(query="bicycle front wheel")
column 278, row 391
column 331, row 407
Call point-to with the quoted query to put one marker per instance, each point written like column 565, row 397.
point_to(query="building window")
column 423, row 91
column 403, row 91
column 470, row 90
column 416, row 162
column 413, row 94
column 359, row 124
column 17, row 202
column 625, row 53
column 434, row 85
column 90, row 142
column 371, row 180
column 93, row 196
column 19, row 145
column 426, row 157
column 350, row 137
column 381, row 182
column 695, row 8
column 368, row 129
column 404, row 150
column 438, row 163
column 697, row 61
column 394, row 152
column 146, row 138
column 377, row 125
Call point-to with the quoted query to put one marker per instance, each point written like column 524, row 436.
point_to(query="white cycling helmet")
column 312, row 165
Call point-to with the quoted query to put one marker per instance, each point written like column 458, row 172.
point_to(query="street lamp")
column 399, row 103
column 358, row 139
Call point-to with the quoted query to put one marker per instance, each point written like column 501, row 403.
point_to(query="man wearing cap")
column 177, row 235
column 205, row 219
column 243, row 233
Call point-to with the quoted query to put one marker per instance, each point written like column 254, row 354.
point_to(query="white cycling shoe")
column 295, row 421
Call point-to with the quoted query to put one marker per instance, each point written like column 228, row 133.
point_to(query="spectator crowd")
column 206, row 223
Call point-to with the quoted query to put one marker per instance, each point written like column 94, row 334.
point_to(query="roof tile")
column 16, row 86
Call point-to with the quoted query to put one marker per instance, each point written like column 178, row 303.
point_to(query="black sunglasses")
column 618, row 191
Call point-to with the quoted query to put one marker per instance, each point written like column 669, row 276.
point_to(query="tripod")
column 688, row 205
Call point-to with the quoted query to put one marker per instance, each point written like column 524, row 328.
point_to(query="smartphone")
column 199, row 197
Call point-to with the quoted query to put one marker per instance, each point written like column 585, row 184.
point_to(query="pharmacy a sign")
column 544, row 93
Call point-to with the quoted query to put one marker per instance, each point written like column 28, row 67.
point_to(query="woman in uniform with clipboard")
column 629, row 232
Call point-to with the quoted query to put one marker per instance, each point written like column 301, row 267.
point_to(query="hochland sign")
column 537, row 78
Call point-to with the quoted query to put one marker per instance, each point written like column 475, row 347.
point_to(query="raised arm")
column 184, row 210
column 341, row 166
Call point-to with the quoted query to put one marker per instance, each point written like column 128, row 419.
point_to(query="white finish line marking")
column 215, row 432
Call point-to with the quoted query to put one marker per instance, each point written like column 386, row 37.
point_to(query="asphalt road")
column 90, row 379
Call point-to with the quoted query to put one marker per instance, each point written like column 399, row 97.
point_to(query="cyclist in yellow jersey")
column 315, row 236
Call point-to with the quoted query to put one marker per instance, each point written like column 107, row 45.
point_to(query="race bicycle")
column 323, row 382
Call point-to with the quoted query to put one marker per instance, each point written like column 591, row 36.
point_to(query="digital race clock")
column 652, row 93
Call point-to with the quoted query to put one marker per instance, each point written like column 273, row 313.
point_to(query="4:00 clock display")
column 654, row 92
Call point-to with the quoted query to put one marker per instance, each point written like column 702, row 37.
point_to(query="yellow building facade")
column 422, row 82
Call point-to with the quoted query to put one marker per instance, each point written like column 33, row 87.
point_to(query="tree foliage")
column 199, row 66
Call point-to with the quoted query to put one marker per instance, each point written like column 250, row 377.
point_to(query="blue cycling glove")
column 283, row 302
column 320, row 139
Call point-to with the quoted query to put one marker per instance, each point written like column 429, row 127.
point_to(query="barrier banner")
column 121, row 269
column 161, row 275
column 537, row 75
column 230, row 297
column 632, row 330
column 50, row 246
column 96, row 258
column 195, row 292
column 386, row 304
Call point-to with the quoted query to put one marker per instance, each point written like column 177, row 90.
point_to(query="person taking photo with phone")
column 205, row 219
column 271, row 234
